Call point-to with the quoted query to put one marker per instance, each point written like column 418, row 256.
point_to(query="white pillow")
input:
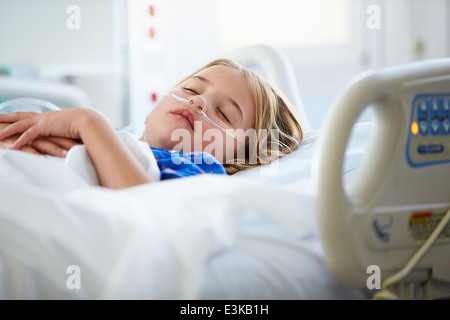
column 297, row 165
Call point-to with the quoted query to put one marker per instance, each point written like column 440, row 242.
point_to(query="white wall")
column 35, row 32
column 34, row 35
column 425, row 21
column 321, row 79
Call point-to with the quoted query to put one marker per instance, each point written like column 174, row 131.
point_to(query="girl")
column 222, row 110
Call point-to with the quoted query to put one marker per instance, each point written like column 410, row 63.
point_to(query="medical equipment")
column 202, row 114
column 401, row 190
column 63, row 95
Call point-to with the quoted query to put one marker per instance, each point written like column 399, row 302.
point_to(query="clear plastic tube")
column 201, row 113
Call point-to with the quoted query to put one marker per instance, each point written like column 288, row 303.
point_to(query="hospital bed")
column 63, row 95
column 336, row 219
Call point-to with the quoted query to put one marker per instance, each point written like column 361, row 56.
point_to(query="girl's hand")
column 54, row 146
column 52, row 132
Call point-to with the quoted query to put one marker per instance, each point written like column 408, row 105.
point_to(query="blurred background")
column 122, row 54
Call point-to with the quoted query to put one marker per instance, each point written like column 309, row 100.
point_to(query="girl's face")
column 223, row 94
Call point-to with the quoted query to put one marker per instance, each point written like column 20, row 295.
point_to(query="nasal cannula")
column 200, row 112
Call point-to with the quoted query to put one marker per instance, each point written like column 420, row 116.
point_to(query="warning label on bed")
column 422, row 224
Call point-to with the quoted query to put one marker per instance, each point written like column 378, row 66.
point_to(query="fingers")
column 20, row 122
column 15, row 116
column 29, row 134
column 30, row 141
column 14, row 128
column 31, row 150
column 5, row 144
column 42, row 146
column 64, row 143
column 54, row 146
column 45, row 146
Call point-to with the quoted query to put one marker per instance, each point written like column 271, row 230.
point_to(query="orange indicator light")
column 414, row 128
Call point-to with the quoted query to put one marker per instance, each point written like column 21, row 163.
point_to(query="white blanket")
column 202, row 237
column 79, row 161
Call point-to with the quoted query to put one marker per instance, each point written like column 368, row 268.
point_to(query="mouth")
column 185, row 115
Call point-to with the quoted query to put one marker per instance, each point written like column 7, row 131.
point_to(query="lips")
column 186, row 115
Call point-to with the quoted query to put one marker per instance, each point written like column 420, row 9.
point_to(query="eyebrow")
column 233, row 102
column 202, row 79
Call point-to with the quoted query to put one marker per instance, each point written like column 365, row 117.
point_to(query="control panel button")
column 430, row 148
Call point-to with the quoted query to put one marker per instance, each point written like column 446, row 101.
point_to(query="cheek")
column 156, row 133
column 151, row 124
column 222, row 147
column 158, row 118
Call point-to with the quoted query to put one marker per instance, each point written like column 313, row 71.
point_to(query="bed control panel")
column 429, row 130
column 400, row 192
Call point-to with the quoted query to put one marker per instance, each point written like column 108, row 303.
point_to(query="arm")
column 116, row 167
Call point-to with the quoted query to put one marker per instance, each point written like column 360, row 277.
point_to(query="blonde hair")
column 274, row 113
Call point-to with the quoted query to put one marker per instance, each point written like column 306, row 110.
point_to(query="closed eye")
column 190, row 90
column 224, row 116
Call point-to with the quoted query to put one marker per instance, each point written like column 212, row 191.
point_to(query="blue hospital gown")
column 177, row 164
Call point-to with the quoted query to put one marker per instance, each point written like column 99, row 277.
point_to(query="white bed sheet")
column 249, row 236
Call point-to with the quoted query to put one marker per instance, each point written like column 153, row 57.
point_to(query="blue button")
column 430, row 148
column 435, row 125
column 434, row 107
column 446, row 107
column 423, row 127
column 422, row 111
column 446, row 126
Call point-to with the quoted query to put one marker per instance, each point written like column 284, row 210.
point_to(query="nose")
column 198, row 102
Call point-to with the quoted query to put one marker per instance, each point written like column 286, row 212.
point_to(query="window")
column 283, row 23
column 322, row 38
